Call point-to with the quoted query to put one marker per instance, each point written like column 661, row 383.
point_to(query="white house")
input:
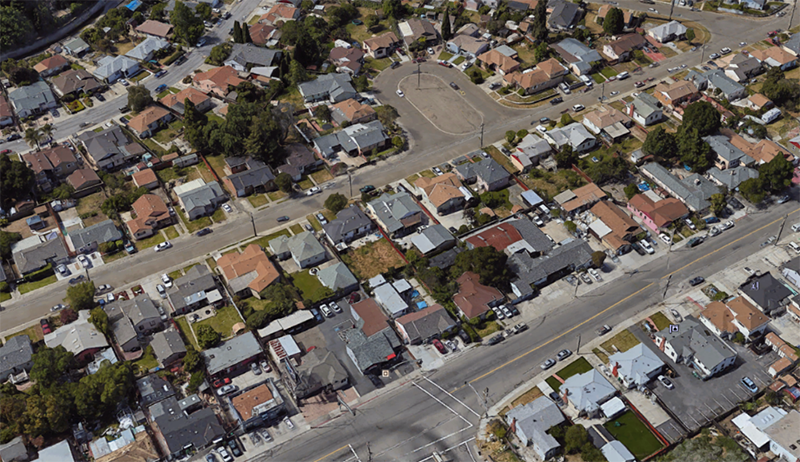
column 695, row 346
column 645, row 109
column 635, row 367
column 574, row 135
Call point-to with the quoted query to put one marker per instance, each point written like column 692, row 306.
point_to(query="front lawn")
column 661, row 320
column 309, row 286
column 188, row 334
column 579, row 366
column 264, row 241
column 623, row 341
column 276, row 195
column 598, row 78
column 305, row 183
column 488, row 328
column 444, row 56
column 4, row 296
column 608, row 72
column 321, row 176
column 171, row 232
column 34, row 333
column 377, row 64
column 223, row 322
column 258, row 200
column 152, row 241
column 140, row 76
column 194, row 225
column 218, row 216
column 31, row 286
column 634, row 434
column 459, row 60
column 296, row 228
column 501, row 158
column 372, row 259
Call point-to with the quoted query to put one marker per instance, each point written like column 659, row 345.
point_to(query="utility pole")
column 350, row 180
column 791, row 15
column 671, row 7
column 419, row 74
column 253, row 222
column 780, row 230
column 481, row 136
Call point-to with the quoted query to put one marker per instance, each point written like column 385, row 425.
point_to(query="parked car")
column 376, row 381
column 234, row 448
column 326, row 311
column 83, row 260
column 556, row 100
column 538, row 221
column 255, row 369
column 161, row 291
column 163, row 246
column 696, row 281
column 595, row 274
column 690, row 224
column 395, row 65
column 733, row 202
column 264, row 433
column 62, row 270
column 438, row 344
column 288, row 423
column 585, row 278
column 563, row 354
column 313, row 190
column 495, row 340
column 578, row 107
column 695, row 241
column 282, row 219
column 110, row 297
column 58, row 307
column 160, row 74
column 710, row 220
column 647, row 247
column 166, row 280
column 265, row 365
column 204, row 231
column 499, row 313
column 367, row 189
column 335, row 307
column 749, row 384
column 548, row 364
column 666, row 382
column 638, row 247
column 506, row 311
column 226, row 457
column 602, row 330
column 667, row 240
column 227, row 389
column 104, row 288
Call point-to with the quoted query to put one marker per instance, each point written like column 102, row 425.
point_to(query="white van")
column 796, row 227
column 795, row 246
column 623, row 75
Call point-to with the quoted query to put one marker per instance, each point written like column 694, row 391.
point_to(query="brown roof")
column 382, row 41
column 503, row 62
column 260, row 33
column 417, row 315
column 499, row 237
column 473, row 298
column 152, row 114
column 763, row 151
column 662, row 212
column 253, row 258
column 150, row 206
column 141, row 450
column 584, row 195
column 759, row 100
column 220, row 76
column 195, row 96
column 59, row 155
column 280, row 11
column 143, row 177
column 374, row 319
column 747, row 314
column 440, row 189
column 606, row 116
column 720, row 316
column 626, row 43
column 527, row 79
column 620, row 223
column 73, row 80
column 5, row 108
column 552, row 67
column 676, row 90
column 81, row 177
column 794, row 309
column 156, row 28
column 781, row 365
column 349, row 54
column 53, row 62
column 245, row 402
column 38, row 162
column 354, row 110
column 776, row 53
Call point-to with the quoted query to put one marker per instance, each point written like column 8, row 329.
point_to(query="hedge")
column 45, row 272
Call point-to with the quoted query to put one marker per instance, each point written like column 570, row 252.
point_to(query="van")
column 623, row 75
column 795, row 246
column 546, row 211
column 796, row 227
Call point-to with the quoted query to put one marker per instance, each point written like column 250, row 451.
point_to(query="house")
column 792, row 45
column 694, row 191
column 444, row 192
column 511, row 236
column 730, row 89
column 319, row 370
column 677, row 93
column 145, row 178
column 146, row 50
column 333, row 88
column 579, row 58
column 232, row 356
column 299, row 161
column 14, row 451
column 88, row 239
column 280, row 12
column 350, row 224
column 112, row 68
column 390, row 297
column 382, row 45
column 74, row 82
column 693, row 345
column 258, row 406
column 728, row 155
column 657, row 213
column 754, row 4
column 149, row 121
column 109, row 148
column 245, row 56
column 85, row 181
column 80, row 338
column 467, row 45
column 338, row 278
column 354, row 140
column 766, row 293
column 36, row 252
column 347, row 60
column 532, row 271
column 154, row 29
column 775, row 57
column 369, row 318
column 731, row 178
column 433, row 239
column 372, row 342
column 484, row 175
column 635, row 367
column 249, row 272
column 196, row 289
column 15, row 357
column 59, row 452
column 168, row 347
column 474, row 299
column 742, row 68
column 183, row 431
column 421, row 326
column 304, row 248
column 529, row 152
column 353, row 112
column 76, row 47
column 668, row 32
column 50, row 165
column 142, row 313
column 564, row 15
column 609, row 121
column 217, row 80
column 586, row 392
column 500, row 60
column 783, row 436
column 737, row 315
column 176, row 101
column 199, row 198
column 644, row 109
column 531, row 81
column 574, row 135
column 614, row 451
column 758, row 102
column 6, row 116
column 152, row 214
column 761, row 152
column 580, row 199
column 613, row 227
column 52, row 65
column 258, row 177
column 622, row 48
column 262, row 34
column 421, row 30
column 32, row 99
column 399, row 215
column 779, row 346
column 531, row 422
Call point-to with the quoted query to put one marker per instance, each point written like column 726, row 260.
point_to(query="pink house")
column 659, row 214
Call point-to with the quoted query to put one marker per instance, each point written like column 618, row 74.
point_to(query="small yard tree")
column 614, row 22
column 81, row 296
column 336, row 202
column 207, row 337
column 284, row 182
column 631, row 190
column 598, row 258
column 99, row 319
column 510, row 135
column 138, row 98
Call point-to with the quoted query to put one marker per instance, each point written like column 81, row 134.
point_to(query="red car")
column 5, row 151
column 439, row 346
column 220, row 382
column 444, row 63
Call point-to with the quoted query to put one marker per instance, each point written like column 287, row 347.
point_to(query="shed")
column 613, row 407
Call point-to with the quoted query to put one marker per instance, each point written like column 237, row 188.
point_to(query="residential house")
column 15, row 357
column 79, row 337
column 76, row 47
column 580, row 199
column 87, row 240
column 668, row 32
column 775, row 57
column 622, row 48
column 36, row 252
column 609, row 121
column 766, row 293
column 754, row 4
column 529, row 152
column 59, row 452
column 85, row 181
column 75, row 82
column 615, row 229
column 484, row 175
column 742, row 68
column 303, row 248
column 249, row 272
column 199, row 198
column 421, row 326
column 474, row 299
column 579, row 58
column 217, row 80
column 258, row 177
column 761, row 152
column 348, row 60
column 258, row 406
column 414, row 30
column 467, row 45
column 372, row 342
column 149, row 121
column 353, row 112
column 511, row 236
column 280, row 13
column 444, row 192
column 399, row 215
column 645, row 109
column 6, row 116
column 176, row 101
column 730, row 89
column 14, row 451
column 196, row 289
column 728, row 155
column 152, row 214
column 333, row 88
column 32, row 99
column 135, row 318
column 382, row 45
column 183, row 431
column 758, row 102
column 299, row 161
column 696, row 347
column 531, row 81
column 52, row 65
column 350, row 224
column 155, row 29
column 783, row 436
column 245, row 56
column 531, row 422
column 390, row 296
column 657, row 213
column 354, row 140
column 575, row 135
column 51, row 165
column 168, row 347
column 694, row 191
column 531, row 271
column 615, row 451
column 635, row 367
column 502, row 59
column 145, row 178
column 792, row 45
column 731, row 178
column 146, row 50
column 432, row 239
column 262, row 34
column 587, row 392
column 109, row 148
column 564, row 15
column 112, row 68
column 338, row 278
column 232, row 357
column 677, row 93
column 319, row 370
column 737, row 315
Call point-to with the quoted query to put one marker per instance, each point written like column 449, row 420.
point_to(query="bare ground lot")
column 444, row 107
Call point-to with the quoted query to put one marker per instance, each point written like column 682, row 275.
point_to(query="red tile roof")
column 473, row 298
column 499, row 237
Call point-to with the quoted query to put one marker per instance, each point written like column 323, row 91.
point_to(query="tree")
column 393, row 9
column 487, row 262
column 703, row 117
column 195, row 381
column 694, row 151
column 398, row 141
column 614, row 22
column 307, row 48
column 566, row 119
column 336, row 202
column 323, row 112
column 718, row 204
column 387, row 114
column 690, row 34
column 361, row 83
column 447, row 34
column 100, row 395
column 203, row 10
column 575, row 438
column 99, row 319
column 192, row 361
column 33, row 137
column 16, row 181
column 50, row 365
column 207, row 337
column 187, row 26
column 566, row 157
column 540, row 22
column 157, row 11
column 475, row 75
column 6, row 240
column 541, row 52
column 510, row 136
column 284, row 182
column 371, row 21
column 263, row 141
column 776, row 175
column 782, row 91
column 237, row 32
column 522, row 133
column 598, row 258
column 297, row 73
column 139, row 98
column 246, row 33
column 63, row 191
column 219, row 53
column 194, row 125
column 752, row 191
column 81, row 296
column 631, row 190
column 67, row 316
column 660, row 143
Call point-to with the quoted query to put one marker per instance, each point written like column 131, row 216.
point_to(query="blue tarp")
column 415, row 294
column 644, row 187
column 422, row 305
column 133, row 5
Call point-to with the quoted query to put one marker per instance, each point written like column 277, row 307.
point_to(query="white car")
column 313, row 190
column 614, row 93
column 163, row 246
column 647, row 247
column 595, row 274
column 666, row 382
column 538, row 221
column 499, row 313
column 62, row 269
column 437, row 171
column 578, row 107
column 124, row 82
column 58, row 307
column 326, row 311
column 430, row 51
column 288, row 423
column 166, row 280
column 227, row 389
column 690, row 224
column 665, row 238
column 400, row 93
column 727, row 225
column 110, row 297
column 227, row 208
column 541, row 129
column 84, row 261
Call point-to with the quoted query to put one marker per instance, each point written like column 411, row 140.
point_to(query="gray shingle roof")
column 110, row 65
column 197, row 279
column 766, row 291
column 31, row 97
column 14, row 450
column 391, row 209
column 573, row 134
column 793, row 44
column 663, row 31
column 723, row 148
column 347, row 221
column 15, row 354
column 577, row 51
column 646, row 104
column 140, row 308
column 105, row 144
column 302, row 246
column 231, row 352
column 76, row 45
column 336, row 276
column 426, row 323
column 726, row 85
column 203, row 196
column 637, row 365
column 257, row 175
column 37, row 256
column 123, row 330
column 432, row 238
column 732, row 177
column 370, row 351
column 487, row 170
column 694, row 190
column 529, row 270
column 366, row 135
column 564, row 14
column 330, row 84
column 198, row 429
column 105, row 231
column 588, row 391
column 167, row 343
column 150, row 45
column 319, row 369
column 693, row 339
column 532, row 235
column 248, row 54
column 534, row 419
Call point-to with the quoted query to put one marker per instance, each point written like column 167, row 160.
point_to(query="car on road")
column 495, row 340
column 667, row 240
column 647, row 247
column 784, row 199
column 163, row 246
column 741, row 44
column 227, row 15
column 556, row 100
column 400, row 93
column 696, row 281
column 395, row 65
column 713, row 56
column 453, row 86
column 438, row 344
column 563, row 354
column 58, row 307
column 367, row 189
column 724, row 51
column 602, row 330
column 161, row 88
column 201, row 42
column 76, row 280
column 166, row 280
column 548, row 364
column 227, row 389
column 283, row 218
column 614, row 93
column 695, row 241
column 204, row 231
column 544, row 120
column 748, row 383
column 313, row 190
column 445, row 64
column 104, row 288
column 578, row 107
column 160, row 74
column 666, row 382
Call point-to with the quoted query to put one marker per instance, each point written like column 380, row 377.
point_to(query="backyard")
column 309, row 286
column 372, row 259
column 551, row 184
column 183, row 325
column 223, row 322
column 91, row 205
column 634, row 434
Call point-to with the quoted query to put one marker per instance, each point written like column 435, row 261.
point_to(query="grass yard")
column 525, row 52
column 194, row 225
column 661, row 321
column 312, row 220
column 427, row 174
column 152, row 241
column 31, row 286
column 34, row 333
column 217, row 163
column 218, row 216
column 598, row 78
column 264, row 241
column 411, row 179
column 254, row 19
column 292, row 95
column 553, row 382
column 91, row 204
column 459, row 60
column 500, row 196
column 668, row 52
column 183, row 326
column 296, row 228
column 187, row 268
column 258, row 200
column 308, row 285
column 634, row 434
column 175, row 274
column 276, row 195
column 124, row 47
column 171, row 232
column 168, row 174
column 501, row 158
column 305, row 183
column 445, row 55
column 213, row 117
column 603, row 357
column 4, row 296
column 623, row 341
column 377, row 64
column 140, row 76
column 550, row 183
column 157, row 150
column 223, row 322
column 211, row 264
column 608, row 72
column 372, row 259
column 321, row 176
column 579, row 366
column 106, row 259
column 489, row 328
column 147, row 361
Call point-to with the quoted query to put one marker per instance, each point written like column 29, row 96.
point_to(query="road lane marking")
column 332, row 452
column 451, row 395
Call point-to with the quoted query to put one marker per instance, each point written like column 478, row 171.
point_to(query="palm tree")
column 47, row 131
column 33, row 137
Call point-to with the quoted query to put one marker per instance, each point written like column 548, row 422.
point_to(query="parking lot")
column 441, row 105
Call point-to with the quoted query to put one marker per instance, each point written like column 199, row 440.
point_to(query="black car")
column 43, row 322
column 638, row 248
column 180, row 60
column 395, row 65
column 696, row 281
column 76, row 280
column 204, row 231
column 367, row 189
column 464, row 336
column 452, row 230
column 100, row 97
column 13, row 136
column 557, row 100
column 556, row 398
column 496, row 339
column 282, row 219
column 544, row 120
column 375, row 380
column 227, row 15
column 234, row 448
column 733, row 202
column 453, row 86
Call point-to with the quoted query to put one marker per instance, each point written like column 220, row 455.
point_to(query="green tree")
column 246, row 33
column 660, row 143
column 50, row 365
column 693, row 150
column 703, row 117
column 631, row 190
column 540, row 22
column 447, row 34
column 361, row 83
column 541, row 52
column 81, row 296
column 307, row 50
column 33, row 137
column 475, row 75
column 99, row 319
column 284, row 182
column 207, row 337
column 100, row 394
column 15, row 26
column 718, row 203
column 776, row 175
column 7, row 239
column 339, row 16
column 575, row 438
column 336, row 202
column 237, row 32
column 16, row 181
column 371, row 21
column 566, row 157
column 194, row 125
column 522, row 134
column 187, row 26
column 487, row 262
column 157, row 11
column 323, row 112
column 192, row 361
column 598, row 258
column 752, row 190
column 297, row 73
column 510, row 136
column 263, row 140
column 387, row 115
column 398, row 141
column 139, row 98
column 203, row 10
column 219, row 53
column 566, row 119
column 614, row 22
column 782, row 91
column 393, row 9
column 63, row 191
column 195, row 381
column 690, row 35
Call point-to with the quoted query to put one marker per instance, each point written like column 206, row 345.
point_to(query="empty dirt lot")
column 443, row 106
